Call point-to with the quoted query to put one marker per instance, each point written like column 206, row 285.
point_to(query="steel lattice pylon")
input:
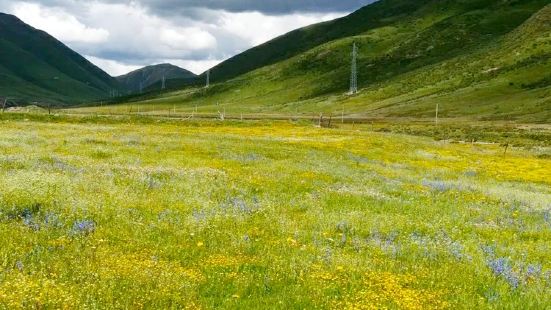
column 354, row 71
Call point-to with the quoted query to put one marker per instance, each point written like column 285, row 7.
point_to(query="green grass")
column 101, row 212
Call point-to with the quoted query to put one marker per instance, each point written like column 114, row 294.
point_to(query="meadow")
column 134, row 212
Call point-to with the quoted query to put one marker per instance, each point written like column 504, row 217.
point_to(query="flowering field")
column 139, row 214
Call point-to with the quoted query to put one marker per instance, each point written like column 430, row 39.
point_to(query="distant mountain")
column 145, row 78
column 35, row 67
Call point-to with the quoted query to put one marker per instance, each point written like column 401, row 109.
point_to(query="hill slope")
column 143, row 78
column 34, row 66
column 378, row 14
column 477, row 58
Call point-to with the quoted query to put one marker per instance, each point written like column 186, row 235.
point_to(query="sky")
column 120, row 36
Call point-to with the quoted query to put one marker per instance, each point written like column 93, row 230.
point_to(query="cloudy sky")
column 120, row 36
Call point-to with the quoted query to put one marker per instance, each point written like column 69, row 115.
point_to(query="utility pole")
column 163, row 86
column 354, row 71
column 208, row 79
column 436, row 118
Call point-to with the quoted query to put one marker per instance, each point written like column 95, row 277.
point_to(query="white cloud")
column 191, row 38
column 195, row 66
column 114, row 68
column 137, row 36
column 122, row 36
column 60, row 24
column 257, row 28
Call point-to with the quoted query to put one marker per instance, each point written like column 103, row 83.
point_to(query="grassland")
column 144, row 213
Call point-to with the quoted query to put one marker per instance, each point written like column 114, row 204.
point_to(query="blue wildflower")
column 547, row 217
column 502, row 268
column 456, row 249
column 84, row 227
column 439, row 186
column 489, row 250
column 533, row 271
column 51, row 219
column 29, row 221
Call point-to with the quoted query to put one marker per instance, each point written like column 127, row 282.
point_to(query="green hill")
column 476, row 58
column 150, row 76
column 379, row 14
column 34, row 66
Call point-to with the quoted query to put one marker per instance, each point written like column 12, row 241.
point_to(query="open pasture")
column 172, row 214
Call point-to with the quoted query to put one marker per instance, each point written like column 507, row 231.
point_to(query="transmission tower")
column 163, row 84
column 4, row 105
column 208, row 79
column 354, row 71
column 142, row 82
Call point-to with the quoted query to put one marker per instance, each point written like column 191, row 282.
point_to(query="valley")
column 269, row 181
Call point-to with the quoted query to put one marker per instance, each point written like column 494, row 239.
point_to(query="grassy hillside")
column 484, row 59
column 379, row 14
column 36, row 67
column 146, row 78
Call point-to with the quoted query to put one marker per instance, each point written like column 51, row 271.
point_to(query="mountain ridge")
column 34, row 66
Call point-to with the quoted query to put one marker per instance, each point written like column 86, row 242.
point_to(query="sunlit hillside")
column 477, row 59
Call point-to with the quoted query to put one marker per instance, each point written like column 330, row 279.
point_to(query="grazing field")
column 142, row 213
